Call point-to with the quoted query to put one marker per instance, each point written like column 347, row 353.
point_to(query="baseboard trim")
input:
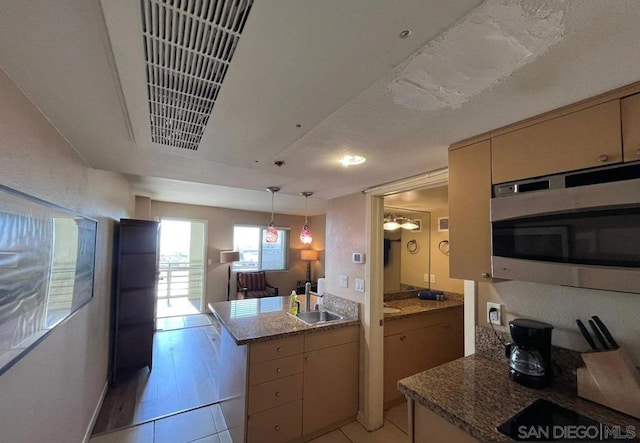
column 96, row 411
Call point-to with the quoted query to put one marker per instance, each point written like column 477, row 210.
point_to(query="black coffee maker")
column 530, row 353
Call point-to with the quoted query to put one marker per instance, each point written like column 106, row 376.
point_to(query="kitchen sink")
column 315, row 317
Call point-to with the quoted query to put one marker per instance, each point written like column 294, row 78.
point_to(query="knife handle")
column 605, row 332
column 586, row 335
column 598, row 335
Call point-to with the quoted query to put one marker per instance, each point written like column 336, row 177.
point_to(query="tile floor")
column 207, row 425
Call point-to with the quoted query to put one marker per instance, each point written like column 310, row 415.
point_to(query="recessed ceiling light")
column 350, row 160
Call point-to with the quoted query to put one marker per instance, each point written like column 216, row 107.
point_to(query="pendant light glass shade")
column 305, row 234
column 272, row 231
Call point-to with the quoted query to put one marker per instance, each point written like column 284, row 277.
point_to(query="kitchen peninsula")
column 281, row 378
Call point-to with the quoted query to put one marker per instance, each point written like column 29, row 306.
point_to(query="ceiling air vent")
column 188, row 47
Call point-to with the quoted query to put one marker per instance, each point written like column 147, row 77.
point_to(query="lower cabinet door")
column 330, row 386
column 280, row 424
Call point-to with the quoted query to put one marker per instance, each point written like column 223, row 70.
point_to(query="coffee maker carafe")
column 530, row 353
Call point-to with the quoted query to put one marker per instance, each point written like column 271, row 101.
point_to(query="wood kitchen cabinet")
column 420, row 342
column 330, row 392
column 583, row 139
column 630, row 114
column 135, row 295
column 302, row 384
column 274, row 403
column 429, row 427
column 469, row 204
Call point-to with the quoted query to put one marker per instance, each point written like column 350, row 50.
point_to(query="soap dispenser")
column 294, row 304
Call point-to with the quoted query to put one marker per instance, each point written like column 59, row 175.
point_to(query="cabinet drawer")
column 416, row 322
column 274, row 393
column 280, row 424
column 333, row 337
column 272, row 349
column 274, row 369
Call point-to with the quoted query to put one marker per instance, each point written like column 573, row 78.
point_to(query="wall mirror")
column 432, row 205
column 406, row 249
column 47, row 260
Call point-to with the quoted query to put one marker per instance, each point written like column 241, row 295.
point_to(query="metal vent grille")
column 188, row 47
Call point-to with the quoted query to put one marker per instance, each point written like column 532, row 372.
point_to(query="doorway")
column 181, row 264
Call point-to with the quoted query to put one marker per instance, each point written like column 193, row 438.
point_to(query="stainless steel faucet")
column 307, row 297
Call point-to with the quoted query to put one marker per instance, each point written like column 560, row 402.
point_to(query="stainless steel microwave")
column 577, row 229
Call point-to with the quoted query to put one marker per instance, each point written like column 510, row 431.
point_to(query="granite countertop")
column 261, row 319
column 475, row 394
column 412, row 306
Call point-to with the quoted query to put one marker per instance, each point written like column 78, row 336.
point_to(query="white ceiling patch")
column 482, row 49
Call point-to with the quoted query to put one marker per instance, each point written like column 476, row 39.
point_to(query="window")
column 258, row 255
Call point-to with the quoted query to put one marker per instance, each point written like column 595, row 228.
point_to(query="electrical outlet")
column 344, row 281
column 432, row 278
column 494, row 317
column 359, row 283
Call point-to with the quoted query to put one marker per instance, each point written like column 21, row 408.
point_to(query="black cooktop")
column 543, row 420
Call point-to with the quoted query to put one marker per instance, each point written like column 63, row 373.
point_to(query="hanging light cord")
column 306, row 209
column 271, row 207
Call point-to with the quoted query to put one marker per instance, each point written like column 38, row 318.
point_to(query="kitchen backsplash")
column 339, row 305
column 566, row 360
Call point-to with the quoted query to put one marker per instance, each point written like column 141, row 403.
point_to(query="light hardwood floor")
column 185, row 363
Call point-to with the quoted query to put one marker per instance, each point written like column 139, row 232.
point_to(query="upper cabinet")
column 630, row 109
column 469, row 200
column 578, row 140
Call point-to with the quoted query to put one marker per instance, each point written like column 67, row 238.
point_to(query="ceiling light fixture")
column 305, row 233
column 272, row 231
column 351, row 160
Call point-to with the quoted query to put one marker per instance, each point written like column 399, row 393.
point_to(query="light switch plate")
column 359, row 282
column 344, row 281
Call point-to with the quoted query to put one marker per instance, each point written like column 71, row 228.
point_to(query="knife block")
column 611, row 379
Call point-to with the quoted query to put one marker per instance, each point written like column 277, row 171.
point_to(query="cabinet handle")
column 277, row 428
column 485, row 275
column 278, row 370
column 279, row 349
column 638, row 152
column 277, row 393
column 307, row 358
column 603, row 158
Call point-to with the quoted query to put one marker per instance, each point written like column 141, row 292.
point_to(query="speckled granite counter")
column 412, row 306
column 474, row 394
column 261, row 319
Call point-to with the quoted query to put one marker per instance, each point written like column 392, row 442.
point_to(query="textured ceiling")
column 338, row 69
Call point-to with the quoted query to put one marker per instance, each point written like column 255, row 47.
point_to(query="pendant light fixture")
column 305, row 233
column 272, row 231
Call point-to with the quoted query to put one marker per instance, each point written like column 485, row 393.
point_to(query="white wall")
column 561, row 306
column 52, row 392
